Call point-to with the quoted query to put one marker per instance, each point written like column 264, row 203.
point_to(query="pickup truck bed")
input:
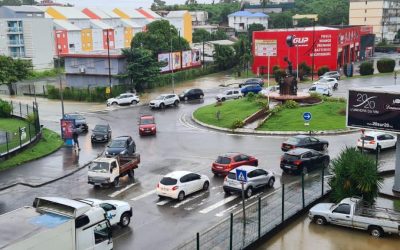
column 128, row 163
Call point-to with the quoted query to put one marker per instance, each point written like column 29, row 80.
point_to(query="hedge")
column 386, row 65
column 323, row 70
column 5, row 109
column 366, row 68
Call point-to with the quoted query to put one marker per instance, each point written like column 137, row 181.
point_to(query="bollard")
column 322, row 182
column 302, row 188
column 27, row 110
column 283, row 202
column 259, row 217
column 198, row 241
column 231, row 233
column 12, row 109
column 377, row 155
column 29, row 131
column 20, row 110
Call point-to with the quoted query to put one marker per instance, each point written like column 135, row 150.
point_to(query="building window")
column 58, row 35
column 366, row 2
column 365, row 10
column 72, row 46
column 365, row 19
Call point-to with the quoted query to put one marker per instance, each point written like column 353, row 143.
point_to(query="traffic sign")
column 307, row 116
column 241, row 175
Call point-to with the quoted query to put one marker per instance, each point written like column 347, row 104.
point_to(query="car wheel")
column 249, row 192
column 186, row 98
column 305, row 170
column 376, row 231
column 134, row 102
column 227, row 192
column 271, row 182
column 206, row 185
column 125, row 220
column 324, row 147
column 320, row 220
column 256, row 163
column 181, row 196
column 201, row 96
column 176, row 103
column 114, row 103
column 131, row 173
column 162, row 106
column 223, row 99
column 116, row 182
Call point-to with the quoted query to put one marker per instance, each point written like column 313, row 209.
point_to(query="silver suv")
column 256, row 178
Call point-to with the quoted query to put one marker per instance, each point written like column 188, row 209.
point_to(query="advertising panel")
column 67, row 128
column 196, row 58
column 176, row 60
column 165, row 58
column 264, row 47
column 186, row 59
column 374, row 110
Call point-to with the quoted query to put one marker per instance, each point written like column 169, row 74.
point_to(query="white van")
column 321, row 89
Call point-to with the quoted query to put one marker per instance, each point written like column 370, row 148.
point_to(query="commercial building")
column 241, row 20
column 25, row 33
column 182, row 21
column 334, row 47
column 382, row 15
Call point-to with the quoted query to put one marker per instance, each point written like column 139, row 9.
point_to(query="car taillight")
column 297, row 162
column 158, row 185
column 372, row 142
column 175, row 188
column 226, row 178
column 282, row 158
column 228, row 166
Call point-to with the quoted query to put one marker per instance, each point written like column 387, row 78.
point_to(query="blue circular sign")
column 307, row 116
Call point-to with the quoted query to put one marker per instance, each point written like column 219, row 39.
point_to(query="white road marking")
column 143, row 195
column 187, row 200
column 218, row 204
column 116, row 193
column 163, row 202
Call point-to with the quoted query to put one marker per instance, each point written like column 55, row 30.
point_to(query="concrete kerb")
column 272, row 133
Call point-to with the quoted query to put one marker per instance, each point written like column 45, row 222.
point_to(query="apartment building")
column 240, row 20
column 182, row 21
column 25, row 33
column 382, row 15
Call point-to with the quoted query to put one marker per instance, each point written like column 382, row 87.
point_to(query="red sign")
column 67, row 128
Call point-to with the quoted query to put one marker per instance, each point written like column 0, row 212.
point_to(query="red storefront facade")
column 333, row 47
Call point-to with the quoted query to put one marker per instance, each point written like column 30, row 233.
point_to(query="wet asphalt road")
column 178, row 145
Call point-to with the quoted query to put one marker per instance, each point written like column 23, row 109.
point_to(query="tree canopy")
column 16, row 2
column 159, row 37
column 224, row 56
column 200, row 35
column 13, row 70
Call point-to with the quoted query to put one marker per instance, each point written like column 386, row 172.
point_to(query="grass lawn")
column 11, row 124
column 325, row 116
column 230, row 111
column 49, row 143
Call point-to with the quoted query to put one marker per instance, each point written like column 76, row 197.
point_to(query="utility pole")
column 172, row 66
column 59, row 76
column 313, row 47
column 109, row 61
column 180, row 47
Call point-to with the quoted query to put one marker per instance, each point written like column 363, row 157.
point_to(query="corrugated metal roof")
column 24, row 8
column 177, row 13
column 130, row 23
column 99, row 24
column 108, row 11
column 70, row 12
column 152, row 13
column 103, row 14
column 65, row 25
column 247, row 14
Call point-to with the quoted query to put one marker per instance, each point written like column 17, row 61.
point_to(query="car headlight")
column 107, row 153
column 141, row 129
column 153, row 128
column 123, row 152
column 105, row 136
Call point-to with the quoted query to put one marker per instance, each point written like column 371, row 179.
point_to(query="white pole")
column 297, row 62
column 268, row 80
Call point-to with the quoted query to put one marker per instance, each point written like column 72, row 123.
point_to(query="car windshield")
column 232, row 176
column 76, row 117
column 100, row 128
column 117, row 144
column 146, row 121
column 290, row 157
column 101, row 167
column 168, row 181
column 161, row 97
column 223, row 160
column 367, row 138
column 293, row 140
column 185, row 91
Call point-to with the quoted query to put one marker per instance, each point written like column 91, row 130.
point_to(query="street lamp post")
column 172, row 66
column 313, row 46
column 109, row 60
column 59, row 75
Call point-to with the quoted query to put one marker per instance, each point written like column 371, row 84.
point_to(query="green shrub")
column 31, row 118
column 366, row 68
column 5, row 109
column 290, row 104
column 277, row 109
column 278, row 73
column 260, row 96
column 263, row 104
column 316, row 95
column 342, row 111
column 386, row 65
column 322, row 70
column 237, row 124
column 250, row 97
column 304, row 70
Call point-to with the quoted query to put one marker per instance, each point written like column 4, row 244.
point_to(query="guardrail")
column 262, row 215
column 12, row 141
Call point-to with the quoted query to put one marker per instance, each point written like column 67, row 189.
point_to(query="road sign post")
column 241, row 176
column 307, row 118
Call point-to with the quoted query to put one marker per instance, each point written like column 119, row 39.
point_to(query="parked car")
column 252, row 81
column 270, row 89
column 80, row 121
column 226, row 162
column 179, row 184
column 353, row 212
column 123, row 145
column 305, row 141
column 331, row 82
column 191, row 94
column 331, row 74
column 124, row 99
column 164, row 100
column 377, row 141
column 117, row 212
column 229, row 94
column 101, row 133
column 255, row 88
column 303, row 160
column 256, row 178
column 320, row 89
column 147, row 125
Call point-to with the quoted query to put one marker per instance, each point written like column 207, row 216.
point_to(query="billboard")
column 374, row 110
column 176, row 60
column 173, row 60
column 186, row 59
column 165, row 58
column 196, row 59
column 67, row 128
column 264, row 47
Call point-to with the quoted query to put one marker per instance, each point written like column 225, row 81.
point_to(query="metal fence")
column 262, row 215
column 18, row 137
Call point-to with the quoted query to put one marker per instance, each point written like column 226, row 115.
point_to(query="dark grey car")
column 123, row 145
column 101, row 133
column 80, row 121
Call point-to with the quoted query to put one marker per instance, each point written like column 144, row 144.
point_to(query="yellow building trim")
column 187, row 27
column 55, row 14
column 87, row 39
column 128, row 35
column 121, row 13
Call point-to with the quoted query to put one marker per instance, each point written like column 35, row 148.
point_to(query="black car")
column 252, row 81
column 302, row 160
column 101, row 133
column 191, row 94
column 123, row 145
column 80, row 121
column 304, row 141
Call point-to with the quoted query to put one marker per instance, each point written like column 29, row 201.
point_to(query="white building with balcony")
column 240, row 20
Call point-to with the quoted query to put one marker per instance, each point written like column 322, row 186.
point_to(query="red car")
column 147, row 125
column 229, row 161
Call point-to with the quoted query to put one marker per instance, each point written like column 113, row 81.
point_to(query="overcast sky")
column 122, row 3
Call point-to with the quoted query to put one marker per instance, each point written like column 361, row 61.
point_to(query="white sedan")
column 178, row 184
column 331, row 82
column 377, row 141
column 117, row 212
column 124, row 99
column 164, row 100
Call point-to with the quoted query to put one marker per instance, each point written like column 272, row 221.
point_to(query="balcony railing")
column 17, row 54
column 15, row 29
column 16, row 42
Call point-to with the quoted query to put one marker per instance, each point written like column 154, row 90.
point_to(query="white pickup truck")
column 352, row 212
